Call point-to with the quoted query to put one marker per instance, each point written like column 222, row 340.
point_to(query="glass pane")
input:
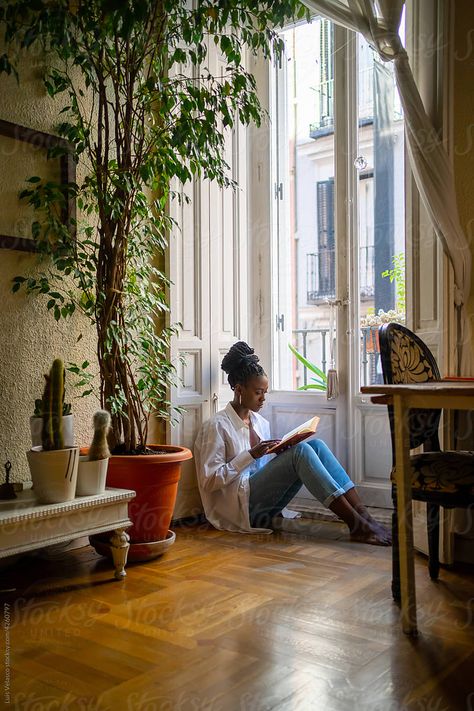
column 381, row 216
column 306, row 240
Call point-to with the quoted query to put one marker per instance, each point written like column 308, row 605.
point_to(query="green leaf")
column 313, row 387
column 310, row 366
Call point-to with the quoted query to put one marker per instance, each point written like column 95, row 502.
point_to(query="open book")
column 297, row 435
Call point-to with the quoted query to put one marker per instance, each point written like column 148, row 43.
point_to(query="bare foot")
column 375, row 525
column 372, row 533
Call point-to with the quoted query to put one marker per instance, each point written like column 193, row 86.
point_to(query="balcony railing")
column 321, row 274
column 324, row 109
column 313, row 344
column 324, row 104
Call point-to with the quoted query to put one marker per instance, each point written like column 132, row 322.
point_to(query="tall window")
column 306, row 242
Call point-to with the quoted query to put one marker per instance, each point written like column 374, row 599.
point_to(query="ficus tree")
column 142, row 113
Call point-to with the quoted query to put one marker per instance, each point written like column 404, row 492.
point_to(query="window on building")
column 321, row 265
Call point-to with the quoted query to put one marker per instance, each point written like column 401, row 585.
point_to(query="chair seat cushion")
column 449, row 472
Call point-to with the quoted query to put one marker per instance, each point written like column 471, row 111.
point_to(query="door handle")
column 215, row 400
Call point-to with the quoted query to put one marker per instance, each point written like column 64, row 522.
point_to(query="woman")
column 242, row 489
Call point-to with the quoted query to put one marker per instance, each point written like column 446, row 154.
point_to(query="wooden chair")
column 440, row 478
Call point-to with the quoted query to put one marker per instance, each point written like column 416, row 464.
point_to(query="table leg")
column 120, row 545
column 405, row 517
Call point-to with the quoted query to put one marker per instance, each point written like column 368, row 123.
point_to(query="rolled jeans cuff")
column 336, row 494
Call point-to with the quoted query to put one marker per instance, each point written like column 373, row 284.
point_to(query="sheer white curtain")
column 378, row 21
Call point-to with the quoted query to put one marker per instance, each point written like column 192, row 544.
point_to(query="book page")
column 298, row 434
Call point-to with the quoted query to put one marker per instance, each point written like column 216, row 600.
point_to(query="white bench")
column 26, row 526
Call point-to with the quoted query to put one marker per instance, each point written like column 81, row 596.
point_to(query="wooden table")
column 447, row 395
column 26, row 525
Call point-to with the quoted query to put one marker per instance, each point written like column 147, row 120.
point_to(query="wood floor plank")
column 62, row 679
column 146, row 630
column 265, row 687
column 162, row 688
column 34, row 693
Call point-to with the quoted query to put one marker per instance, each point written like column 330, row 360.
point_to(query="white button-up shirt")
column 224, row 464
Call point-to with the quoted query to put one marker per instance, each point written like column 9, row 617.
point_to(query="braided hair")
column 241, row 364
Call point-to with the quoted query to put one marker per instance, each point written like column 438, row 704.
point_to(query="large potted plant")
column 142, row 114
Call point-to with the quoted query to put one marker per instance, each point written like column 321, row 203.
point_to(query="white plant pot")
column 36, row 427
column 54, row 474
column 91, row 476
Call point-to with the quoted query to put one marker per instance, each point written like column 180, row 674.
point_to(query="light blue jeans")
column 275, row 484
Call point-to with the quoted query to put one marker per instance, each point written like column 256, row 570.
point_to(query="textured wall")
column 29, row 337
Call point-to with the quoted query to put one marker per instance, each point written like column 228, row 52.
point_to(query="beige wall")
column 29, row 337
column 463, row 114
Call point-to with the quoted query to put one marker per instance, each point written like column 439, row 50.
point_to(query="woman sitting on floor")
column 242, row 489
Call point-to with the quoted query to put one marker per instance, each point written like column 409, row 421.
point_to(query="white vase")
column 91, row 476
column 54, row 474
column 36, row 427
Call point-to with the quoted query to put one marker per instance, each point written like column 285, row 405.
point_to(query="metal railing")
column 324, row 109
column 369, row 352
column 321, row 274
column 301, row 335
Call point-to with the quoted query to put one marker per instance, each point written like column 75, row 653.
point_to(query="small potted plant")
column 92, row 472
column 53, row 465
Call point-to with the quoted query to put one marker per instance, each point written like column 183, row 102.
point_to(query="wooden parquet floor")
column 229, row 622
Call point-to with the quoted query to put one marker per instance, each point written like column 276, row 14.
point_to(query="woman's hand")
column 262, row 447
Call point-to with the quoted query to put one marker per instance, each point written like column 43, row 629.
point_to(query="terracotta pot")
column 137, row 552
column 372, row 344
column 155, row 478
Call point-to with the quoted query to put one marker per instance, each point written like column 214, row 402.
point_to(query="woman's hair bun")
column 241, row 360
column 240, row 354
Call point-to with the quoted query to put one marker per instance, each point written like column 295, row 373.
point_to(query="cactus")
column 53, row 400
column 99, row 448
column 46, row 434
